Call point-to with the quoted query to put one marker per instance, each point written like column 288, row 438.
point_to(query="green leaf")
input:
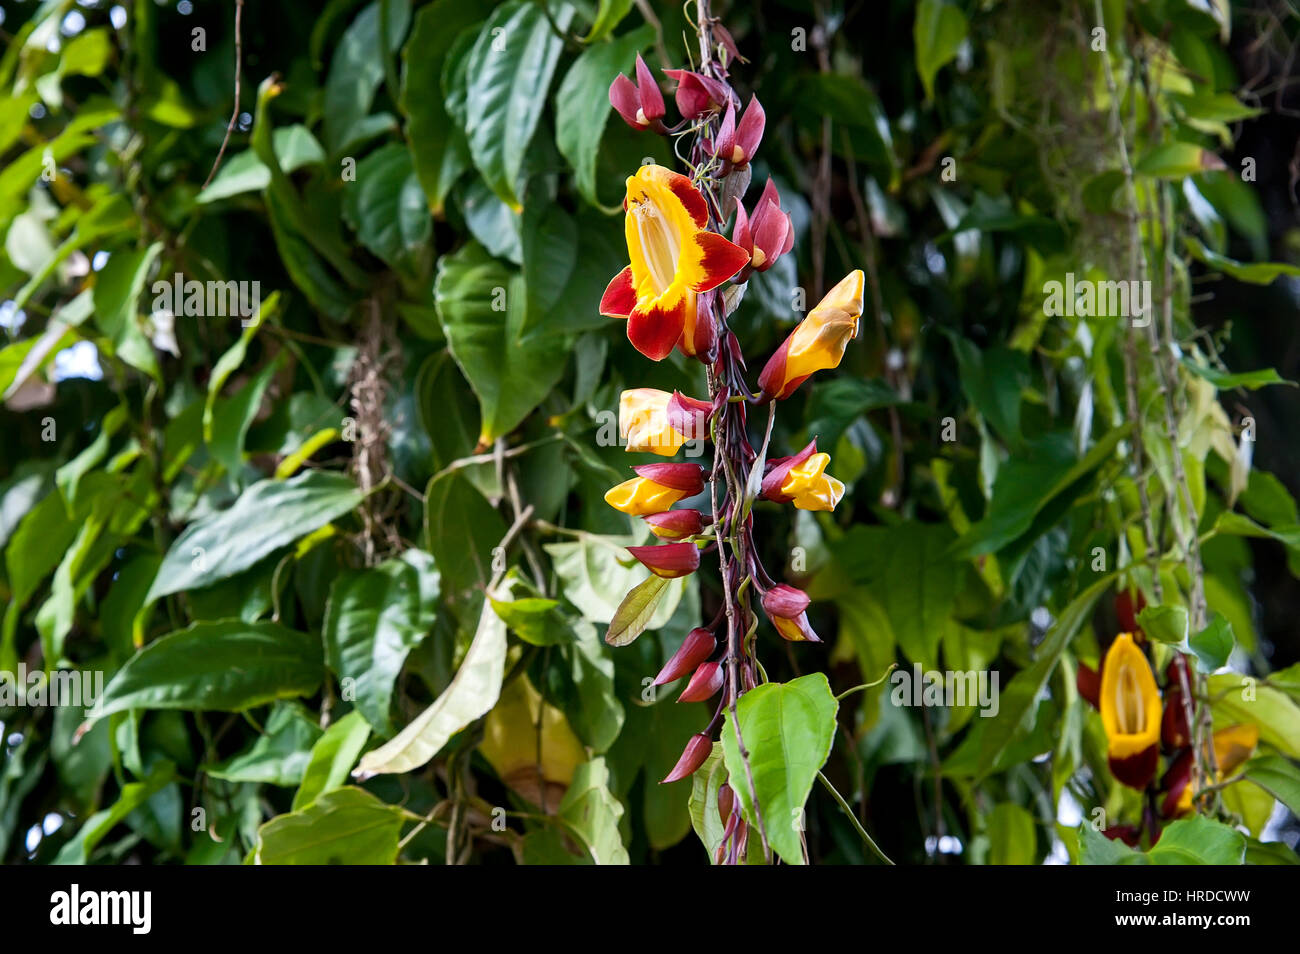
column 357, row 69
column 703, row 804
column 1278, row 777
column 267, row 516
column 1199, row 841
column 294, row 146
column 550, row 250
column 1224, row 381
column 1013, row 838
column 596, row 580
column 438, row 146
column 939, row 30
column 1212, row 645
column 228, row 665
column 788, row 729
column 593, row 814
column 348, row 826
column 386, row 207
column 1017, row 700
column 461, row 529
column 1242, row 699
column 636, row 611
column 93, row 829
column 1190, row 841
column 116, row 293
column 472, row 692
column 1167, row 624
column 1255, row 273
column 1096, row 849
column 1176, row 160
column 232, row 417
column 332, row 758
column 482, row 306
column 1048, row 474
column 231, row 359
column 280, row 756
column 582, row 103
column 535, row 620
column 992, row 379
column 508, row 72
column 373, row 619
column 609, row 14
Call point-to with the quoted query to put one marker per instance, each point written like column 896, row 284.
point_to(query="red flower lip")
column 706, row 681
column 698, row 646
column 688, row 478
column 669, row 560
column 640, row 104
column 697, row 750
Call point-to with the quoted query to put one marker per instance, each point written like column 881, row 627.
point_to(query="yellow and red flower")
column 674, row 257
column 785, row 607
column 643, row 422
column 1130, row 712
column 655, row 488
column 675, row 524
column 1232, row 747
column 818, row 343
column 802, row 480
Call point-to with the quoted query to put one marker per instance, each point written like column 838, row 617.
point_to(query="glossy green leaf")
column 787, row 729
column 582, row 102
column 347, row 826
column 373, row 619
column 939, row 30
column 228, row 665
column 267, row 516
column 508, row 72
column 332, row 758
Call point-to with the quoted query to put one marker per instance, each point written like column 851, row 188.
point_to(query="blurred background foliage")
column 272, row 532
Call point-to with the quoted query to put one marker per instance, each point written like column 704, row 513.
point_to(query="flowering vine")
column 683, row 278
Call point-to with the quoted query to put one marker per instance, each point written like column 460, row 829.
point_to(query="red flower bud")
column 768, row 234
column 785, row 607
column 1177, row 800
column 669, row 560
column 1174, row 733
column 698, row 646
column 1127, row 606
column 675, row 524
column 693, row 756
column 1088, row 682
column 726, row 802
column 640, row 104
column 706, row 681
column 785, row 601
column 688, row 478
column 698, row 95
column 738, row 142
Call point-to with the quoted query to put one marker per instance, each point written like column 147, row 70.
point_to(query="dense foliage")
column 311, row 414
